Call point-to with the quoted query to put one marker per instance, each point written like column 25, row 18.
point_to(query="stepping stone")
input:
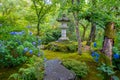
column 54, row 70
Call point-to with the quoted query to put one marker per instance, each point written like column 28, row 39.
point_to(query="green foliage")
column 115, row 78
column 10, row 14
column 80, row 68
column 50, row 36
column 34, row 71
column 65, row 46
column 12, row 49
column 116, row 62
column 106, row 71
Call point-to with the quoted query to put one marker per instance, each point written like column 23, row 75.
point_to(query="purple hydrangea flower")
column 30, row 51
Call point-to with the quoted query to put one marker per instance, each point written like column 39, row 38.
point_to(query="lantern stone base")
column 63, row 39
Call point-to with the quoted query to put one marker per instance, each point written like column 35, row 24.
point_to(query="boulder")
column 54, row 70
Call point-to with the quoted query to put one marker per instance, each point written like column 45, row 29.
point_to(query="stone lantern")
column 63, row 27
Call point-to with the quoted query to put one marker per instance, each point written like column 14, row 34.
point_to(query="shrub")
column 50, row 36
column 34, row 71
column 15, row 50
column 106, row 71
column 116, row 58
column 65, row 46
column 80, row 68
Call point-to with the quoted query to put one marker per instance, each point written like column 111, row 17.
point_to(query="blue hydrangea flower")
column 39, row 42
column 12, row 33
column 96, row 59
column 25, row 49
column 0, row 25
column 95, row 44
column 34, row 43
column 95, row 56
column 28, row 26
column 20, row 33
column 45, row 59
column 39, row 54
column 116, row 56
column 30, row 33
column 30, row 51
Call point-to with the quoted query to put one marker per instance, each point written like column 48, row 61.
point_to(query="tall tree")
column 42, row 8
column 75, row 11
column 109, row 39
column 111, row 24
column 93, row 24
column 85, row 26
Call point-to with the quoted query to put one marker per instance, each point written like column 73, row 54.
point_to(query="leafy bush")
column 34, row 71
column 116, row 58
column 50, row 36
column 106, row 71
column 15, row 50
column 65, row 46
column 80, row 68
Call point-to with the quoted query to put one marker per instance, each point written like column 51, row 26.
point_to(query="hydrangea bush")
column 16, row 49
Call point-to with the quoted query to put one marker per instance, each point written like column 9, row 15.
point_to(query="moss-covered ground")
column 85, row 57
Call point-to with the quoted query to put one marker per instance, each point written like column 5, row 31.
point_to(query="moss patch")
column 85, row 57
column 66, row 46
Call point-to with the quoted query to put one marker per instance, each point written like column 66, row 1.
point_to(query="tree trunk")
column 109, row 40
column 38, row 28
column 75, row 14
column 92, row 34
column 78, row 37
column 84, row 32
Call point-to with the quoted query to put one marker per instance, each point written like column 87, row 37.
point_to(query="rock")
column 54, row 70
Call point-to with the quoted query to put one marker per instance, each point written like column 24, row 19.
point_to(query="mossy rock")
column 65, row 46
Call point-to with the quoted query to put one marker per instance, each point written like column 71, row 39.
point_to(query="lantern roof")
column 63, row 19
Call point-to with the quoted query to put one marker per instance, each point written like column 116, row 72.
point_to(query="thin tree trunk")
column 84, row 32
column 92, row 34
column 78, row 37
column 109, row 40
column 38, row 28
column 75, row 14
